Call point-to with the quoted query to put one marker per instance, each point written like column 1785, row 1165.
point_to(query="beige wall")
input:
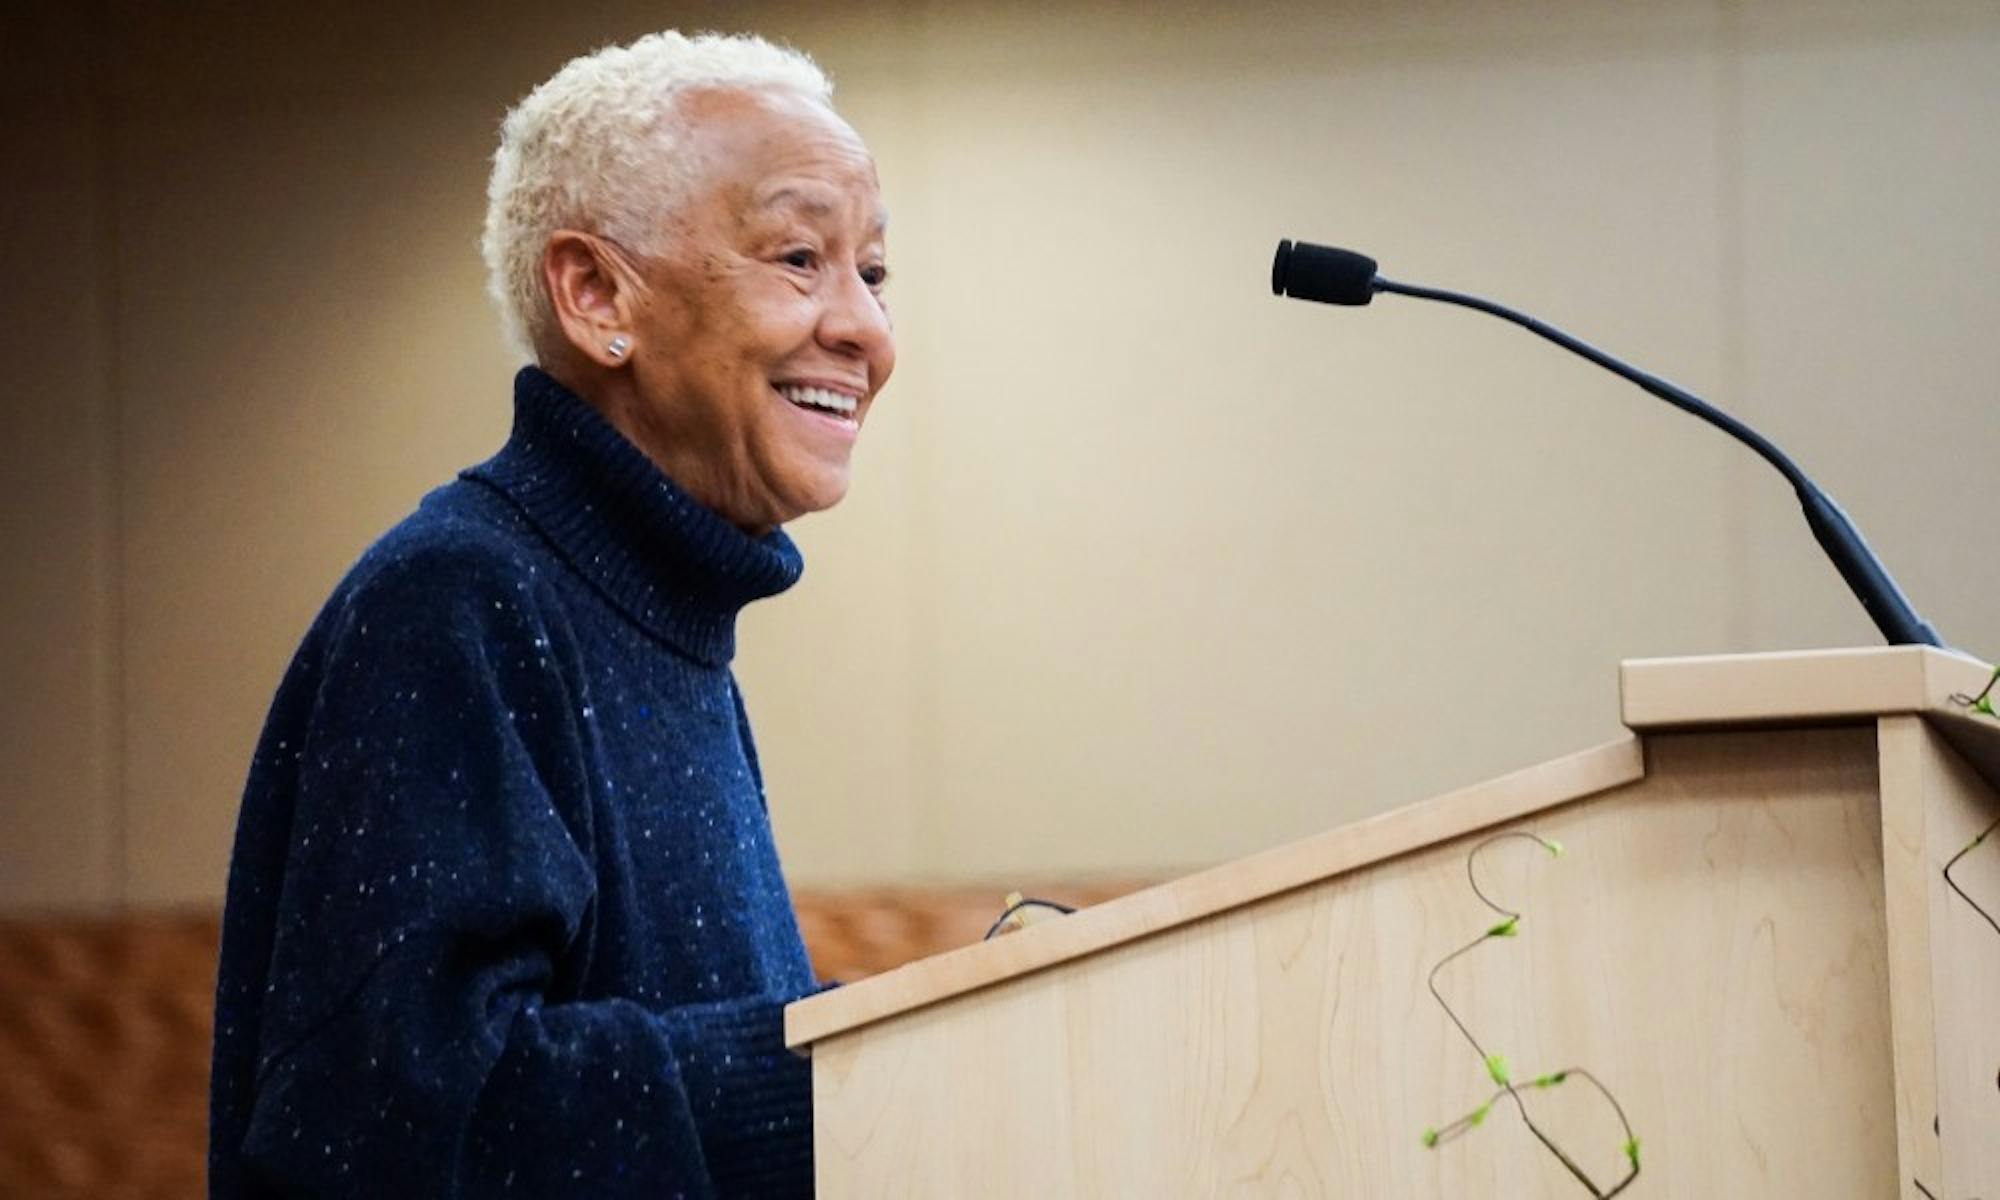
column 1144, row 568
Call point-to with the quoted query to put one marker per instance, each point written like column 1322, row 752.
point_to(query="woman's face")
column 760, row 337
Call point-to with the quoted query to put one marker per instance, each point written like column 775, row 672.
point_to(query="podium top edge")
column 1793, row 686
column 1656, row 694
column 1216, row 890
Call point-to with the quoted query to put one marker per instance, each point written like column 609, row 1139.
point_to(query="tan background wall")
column 1144, row 568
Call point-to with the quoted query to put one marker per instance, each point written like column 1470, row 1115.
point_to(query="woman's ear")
column 594, row 293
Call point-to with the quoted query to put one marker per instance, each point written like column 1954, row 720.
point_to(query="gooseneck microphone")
column 1305, row 271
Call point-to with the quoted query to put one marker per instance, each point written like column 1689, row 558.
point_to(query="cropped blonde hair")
column 598, row 148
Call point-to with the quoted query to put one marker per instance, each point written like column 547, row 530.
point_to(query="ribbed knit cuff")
column 751, row 1097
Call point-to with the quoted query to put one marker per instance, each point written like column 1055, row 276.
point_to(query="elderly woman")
column 505, row 916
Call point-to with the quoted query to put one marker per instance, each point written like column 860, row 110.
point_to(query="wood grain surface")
column 1792, row 685
column 1712, row 947
column 1949, row 804
column 1209, row 893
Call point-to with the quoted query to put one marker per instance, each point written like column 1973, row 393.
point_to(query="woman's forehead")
column 820, row 200
column 774, row 151
column 753, row 124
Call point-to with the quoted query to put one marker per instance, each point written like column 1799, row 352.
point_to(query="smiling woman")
column 505, row 913
column 758, row 335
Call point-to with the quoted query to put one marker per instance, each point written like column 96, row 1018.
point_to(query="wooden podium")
column 1750, row 940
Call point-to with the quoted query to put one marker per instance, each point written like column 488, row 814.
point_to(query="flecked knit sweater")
column 504, row 915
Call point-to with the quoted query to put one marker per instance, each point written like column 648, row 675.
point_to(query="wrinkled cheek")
column 785, row 323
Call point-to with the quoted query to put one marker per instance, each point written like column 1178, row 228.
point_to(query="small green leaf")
column 1430, row 1138
column 1505, row 928
column 1496, row 1066
column 1632, row 1151
column 1555, row 847
column 1478, row 1115
column 1549, row 1081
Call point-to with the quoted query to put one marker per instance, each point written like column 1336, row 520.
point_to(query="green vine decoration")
column 1981, row 703
column 1496, row 1065
column 1969, row 847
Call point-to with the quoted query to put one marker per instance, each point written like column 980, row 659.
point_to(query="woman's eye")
column 799, row 259
column 875, row 276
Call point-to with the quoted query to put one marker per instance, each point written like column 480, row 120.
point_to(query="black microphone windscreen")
column 1305, row 271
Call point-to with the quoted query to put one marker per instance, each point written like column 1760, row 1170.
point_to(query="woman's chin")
column 810, row 488
column 825, row 492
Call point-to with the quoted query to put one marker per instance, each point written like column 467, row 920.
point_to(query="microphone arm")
column 1858, row 565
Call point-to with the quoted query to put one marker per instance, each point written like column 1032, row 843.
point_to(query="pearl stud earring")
column 619, row 345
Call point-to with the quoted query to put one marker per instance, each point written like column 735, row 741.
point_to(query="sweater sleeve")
column 421, row 1035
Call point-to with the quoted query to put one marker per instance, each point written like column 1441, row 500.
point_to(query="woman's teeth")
column 812, row 397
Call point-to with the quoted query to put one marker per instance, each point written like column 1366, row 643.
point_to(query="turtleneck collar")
column 671, row 565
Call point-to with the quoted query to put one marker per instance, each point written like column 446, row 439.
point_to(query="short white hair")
column 598, row 148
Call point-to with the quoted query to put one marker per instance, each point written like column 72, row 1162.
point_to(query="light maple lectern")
column 1750, row 940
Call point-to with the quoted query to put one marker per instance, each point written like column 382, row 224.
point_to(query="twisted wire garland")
column 1983, row 702
column 1953, row 883
column 1980, row 703
column 1496, row 1065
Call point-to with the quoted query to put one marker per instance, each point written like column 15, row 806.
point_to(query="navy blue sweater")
column 504, row 915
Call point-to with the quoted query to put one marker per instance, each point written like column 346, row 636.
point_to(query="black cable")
column 1860, row 568
column 1678, row 397
column 1017, row 906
